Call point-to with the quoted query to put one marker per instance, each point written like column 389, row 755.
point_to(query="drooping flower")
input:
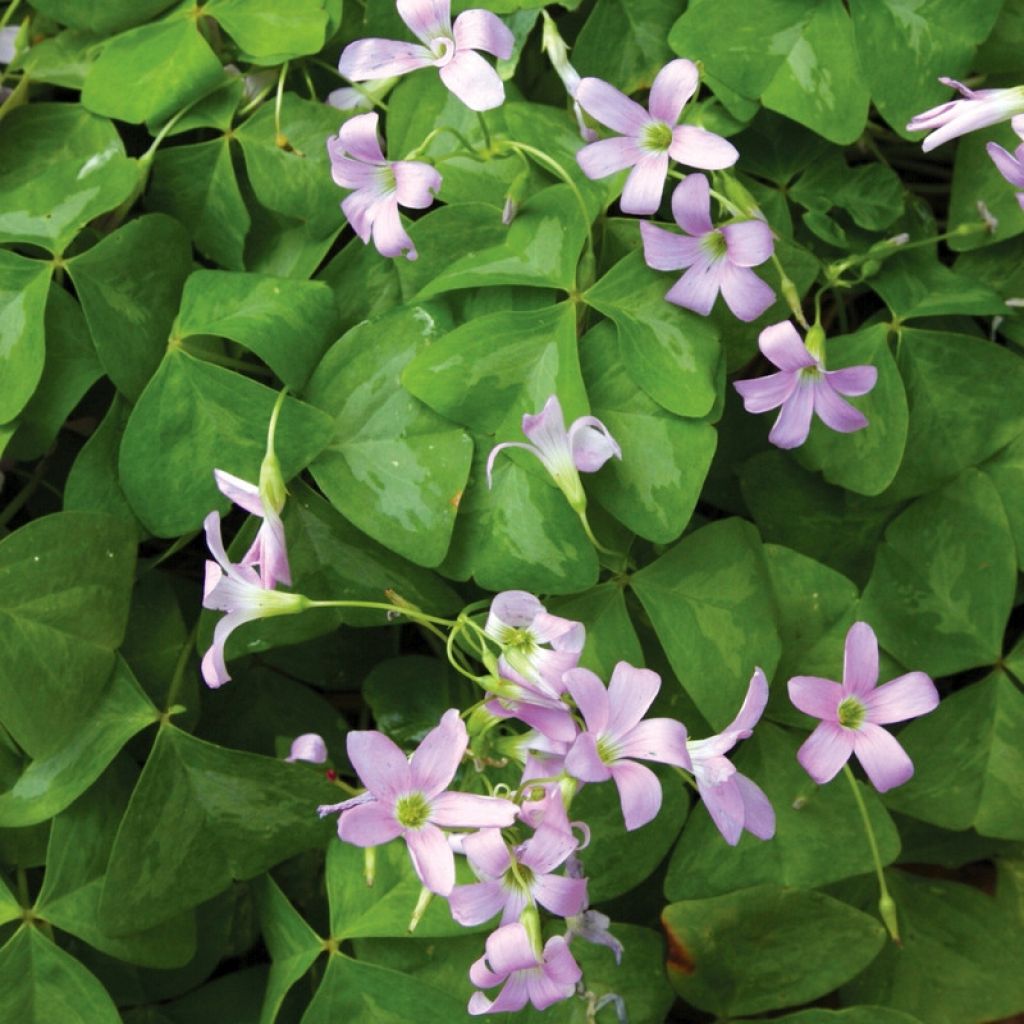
column 554, row 46
column 615, row 735
column 585, row 447
column 647, row 138
column 410, row 800
column 268, row 550
column 381, row 185
column 590, row 925
column 513, row 879
column 734, row 802
column 803, row 386
column 1011, row 166
column 718, row 259
column 450, row 49
column 310, row 746
column 979, row 108
column 237, row 590
column 527, row 975
column 853, row 712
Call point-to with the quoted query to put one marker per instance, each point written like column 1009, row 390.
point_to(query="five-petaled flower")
column 450, row 49
column 734, row 802
column 409, row 799
column 803, row 386
column 718, row 259
column 979, row 108
column 853, row 712
column 1011, row 165
column 615, row 735
column 380, row 185
column 647, row 138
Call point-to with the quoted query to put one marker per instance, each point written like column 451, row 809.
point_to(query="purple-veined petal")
column 367, row 59
column 753, row 705
column 1008, row 165
column 515, row 903
column 481, row 30
column 488, row 855
column 883, row 759
column 698, row 288
column 854, row 380
column 816, row 696
column 673, row 86
column 724, row 802
column 591, row 444
column 583, row 761
column 380, row 764
column 592, row 925
column 360, row 209
column 497, row 448
column 794, row 421
column 470, row 810
column 513, row 996
column 240, row 491
column 544, row 991
column 555, row 723
column 436, row 759
column 563, row 634
column 310, row 747
column 214, row 669
column 630, row 693
column 548, row 847
column 783, row 347
column 358, row 136
column 559, row 962
column 606, row 104
column 665, row 250
column 474, row 904
column 349, row 173
column 645, row 184
column 763, row 393
column 657, row 739
column 389, row 236
column 509, row 949
column 515, row 608
column 563, row 897
column 432, row 858
column 370, row 824
column 426, row 19
column 825, row 751
column 591, row 698
column 473, row 80
column 691, row 206
column 274, row 567
column 695, row 147
column 608, row 156
column 639, row 793
column 860, row 660
column 758, row 813
column 836, row 412
column 907, row 696
column 746, row 295
column 416, row 183
column 748, row 243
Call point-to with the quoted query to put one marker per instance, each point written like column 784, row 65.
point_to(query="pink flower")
column 1011, row 167
column 310, row 747
column 647, row 138
column 852, row 715
column 381, row 185
column 718, row 258
column 409, row 799
column 527, row 975
column 978, row 109
column 804, row 387
column 268, row 550
column 734, row 802
column 615, row 735
column 452, row 50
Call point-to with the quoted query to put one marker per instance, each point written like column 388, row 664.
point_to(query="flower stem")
column 280, row 139
column 582, row 513
column 886, row 904
column 406, row 612
column 486, row 131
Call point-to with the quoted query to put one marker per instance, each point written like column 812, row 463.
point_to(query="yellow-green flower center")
column 412, row 810
column 607, row 750
column 850, row 713
column 518, row 877
column 714, row 244
column 657, row 136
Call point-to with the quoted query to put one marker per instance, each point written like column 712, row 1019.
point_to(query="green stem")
column 179, row 668
column 408, row 613
column 484, row 129
column 6, row 17
column 279, row 138
column 886, row 904
column 582, row 513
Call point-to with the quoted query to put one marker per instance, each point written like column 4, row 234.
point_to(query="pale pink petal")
column 515, row 608
column 310, row 747
column 470, row 810
column 474, row 81
column 559, row 963
column 416, row 183
column 608, row 156
column 555, row 723
column 367, row 59
column 782, row 346
column 274, row 567
column 563, row 634
column 427, row 19
column 816, row 696
column 724, row 802
column 825, row 751
column 358, row 137
column 645, row 184
column 488, row 855
column 497, row 448
column 482, row 30
column 508, row 949
column 380, row 764
column 749, row 243
column 215, row 542
column 214, row 669
column 657, row 739
column 474, row 904
column 349, row 173
column 630, row 693
column 695, row 147
column 763, row 393
column 548, row 847
column 481, row 974
column 673, row 86
column 836, row 412
column 794, row 421
column 591, row 698
column 513, row 997
column 437, row 758
column 639, row 793
column 360, row 209
column 860, row 660
column 606, row 104
column 432, row 858
column 854, row 380
column 665, row 250
column 905, row 697
column 746, row 295
column 546, row 429
column 1008, row 166
column 583, row 761
column 883, row 759
column 698, row 288
column 752, row 707
column 591, row 444
column 240, row 491
column 544, row 991
column 370, row 824
column 389, row 236
column 515, row 903
column 758, row 813
column 691, row 206
column 563, row 897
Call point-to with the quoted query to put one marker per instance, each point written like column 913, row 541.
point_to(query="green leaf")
column 201, row 816
column 365, row 284
column 151, row 72
column 1006, row 471
column 60, row 167
column 103, row 19
column 943, row 583
column 51, row 783
column 819, row 837
column 287, row 323
column 717, row 946
column 407, row 696
column 194, row 417
column 851, row 1015
column 871, row 193
column 268, row 34
column 24, row 285
column 129, row 285
column 10, row 909
column 654, row 488
column 65, row 583
column 63, row 59
column 40, row 984
column 393, row 467
column 197, row 185
column 611, row 637
column 977, row 729
column 671, row 353
column 709, row 599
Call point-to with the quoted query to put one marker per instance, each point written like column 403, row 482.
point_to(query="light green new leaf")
column 268, row 33
column 24, row 285
column 65, row 583
column 63, row 59
column 194, row 417
column 129, row 285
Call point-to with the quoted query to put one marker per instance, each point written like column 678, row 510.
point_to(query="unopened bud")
column 509, row 211
column 530, row 920
column 815, row 341
column 870, row 268
column 554, row 46
column 272, row 489
column 481, row 721
column 740, row 197
column 887, row 909
column 370, row 865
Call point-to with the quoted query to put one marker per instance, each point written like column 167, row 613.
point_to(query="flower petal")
column 481, row 30
column 749, row 243
column 665, row 250
column 591, row 698
column 369, row 824
column 724, row 803
column 816, row 696
column 758, row 813
column 691, row 206
column 583, row 761
column 367, row 59
column 432, row 858
column 310, row 747
column 645, row 184
column 416, row 183
column 794, row 421
column 473, row 80
column 1006, row 164
column 608, row 156
column 825, row 751
column 513, row 997
column 437, row 758
column 470, row 810
column 763, row 393
column 591, row 444
column 698, row 288
column 476, row 903
column 639, row 792
column 214, row 668
column 606, row 104
column 427, row 19
column 746, row 295
column 497, row 448
column 783, row 347
column 695, row 147
column 907, row 696
column 752, row 707
column 240, row 491
column 853, row 380
column 860, row 660
column 509, row 949
column 836, row 412
column 563, row 897
column 488, row 855
column 883, row 759
column 657, row 739
column 380, row 764
column 673, row 86
column 630, row 693
column 359, row 139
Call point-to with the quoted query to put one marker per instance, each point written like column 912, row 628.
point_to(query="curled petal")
column 673, row 86
column 432, row 858
column 794, row 421
column 481, row 30
column 639, row 792
column 665, row 250
column 416, row 183
column 497, row 448
column 241, row 492
column 513, row 997
column 606, row 104
column 473, row 80
column 508, row 949
column 214, row 669
column 645, row 184
column 860, row 660
column 310, row 747
column 906, row 697
column 825, row 751
column 591, row 444
column 695, row 147
column 883, row 759
column 691, row 206
column 753, row 706
column 367, row 59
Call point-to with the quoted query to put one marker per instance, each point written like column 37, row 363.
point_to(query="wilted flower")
column 1011, row 167
column 804, row 387
column 734, row 802
column 381, row 185
column 852, row 714
column 978, row 109
column 452, row 50
column 719, row 259
column 648, row 138
column 310, row 747
column 590, row 925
